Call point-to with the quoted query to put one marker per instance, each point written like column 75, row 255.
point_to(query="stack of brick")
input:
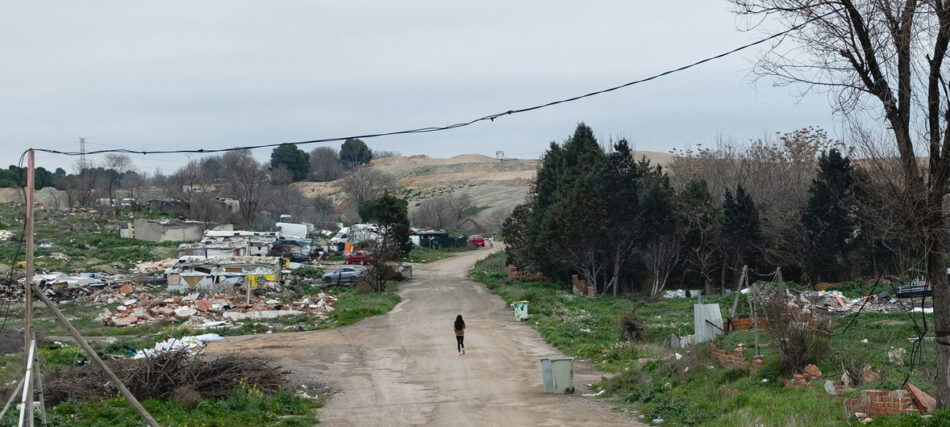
column 804, row 379
column 581, row 287
column 876, row 403
column 744, row 323
column 515, row 275
column 735, row 358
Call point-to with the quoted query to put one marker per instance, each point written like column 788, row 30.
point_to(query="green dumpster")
column 557, row 374
column 521, row 310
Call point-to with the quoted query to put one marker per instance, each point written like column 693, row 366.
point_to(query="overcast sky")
column 214, row 74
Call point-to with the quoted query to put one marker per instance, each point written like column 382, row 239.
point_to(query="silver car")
column 344, row 274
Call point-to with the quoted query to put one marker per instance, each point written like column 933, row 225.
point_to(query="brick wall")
column 735, row 359
column 515, row 275
column 743, row 323
column 581, row 287
column 875, row 403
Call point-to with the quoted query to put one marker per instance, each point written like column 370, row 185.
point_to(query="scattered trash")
column 677, row 293
column 594, row 394
column 190, row 343
column 896, row 355
column 927, row 310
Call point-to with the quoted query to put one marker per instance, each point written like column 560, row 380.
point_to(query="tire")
column 327, row 280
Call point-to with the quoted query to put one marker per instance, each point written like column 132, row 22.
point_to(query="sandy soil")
column 402, row 368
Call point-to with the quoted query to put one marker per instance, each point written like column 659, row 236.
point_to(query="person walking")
column 460, row 334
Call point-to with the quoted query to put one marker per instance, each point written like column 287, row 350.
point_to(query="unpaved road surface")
column 402, row 368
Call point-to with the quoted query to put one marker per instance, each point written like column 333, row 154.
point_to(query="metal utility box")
column 521, row 310
column 557, row 374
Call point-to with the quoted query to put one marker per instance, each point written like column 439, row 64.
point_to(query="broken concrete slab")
column 706, row 322
column 185, row 312
column 260, row 315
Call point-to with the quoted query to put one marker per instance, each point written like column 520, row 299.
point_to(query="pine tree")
column 827, row 223
column 741, row 230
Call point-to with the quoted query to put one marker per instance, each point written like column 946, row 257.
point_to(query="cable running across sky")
column 429, row 129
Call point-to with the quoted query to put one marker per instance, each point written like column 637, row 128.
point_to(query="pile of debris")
column 836, row 302
column 212, row 311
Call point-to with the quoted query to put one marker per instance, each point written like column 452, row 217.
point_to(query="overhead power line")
column 429, row 129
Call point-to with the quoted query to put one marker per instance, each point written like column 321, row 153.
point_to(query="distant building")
column 165, row 230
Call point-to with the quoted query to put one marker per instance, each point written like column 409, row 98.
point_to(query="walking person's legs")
column 458, row 343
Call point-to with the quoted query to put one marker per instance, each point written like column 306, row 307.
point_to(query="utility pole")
column 28, row 280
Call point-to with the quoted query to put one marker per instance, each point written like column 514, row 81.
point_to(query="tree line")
column 625, row 225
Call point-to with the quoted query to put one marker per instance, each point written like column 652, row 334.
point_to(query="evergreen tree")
column 354, row 152
column 294, row 159
column 616, row 183
column 741, row 230
column 563, row 170
column 393, row 215
column 827, row 223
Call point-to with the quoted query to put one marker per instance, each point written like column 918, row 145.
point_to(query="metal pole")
column 95, row 358
column 27, row 400
column 28, row 280
column 38, row 377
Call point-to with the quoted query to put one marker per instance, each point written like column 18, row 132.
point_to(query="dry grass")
column 176, row 375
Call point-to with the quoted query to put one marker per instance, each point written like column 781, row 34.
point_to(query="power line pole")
column 28, row 280
column 82, row 154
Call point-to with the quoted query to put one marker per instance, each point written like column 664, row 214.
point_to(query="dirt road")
column 402, row 368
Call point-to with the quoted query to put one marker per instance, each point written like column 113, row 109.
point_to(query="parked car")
column 358, row 257
column 344, row 274
column 917, row 288
column 477, row 240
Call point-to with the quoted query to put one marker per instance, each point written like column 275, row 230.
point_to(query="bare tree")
column 891, row 55
column 185, row 183
column 80, row 187
column 443, row 212
column 115, row 166
column 133, row 184
column 325, row 164
column 246, row 181
column 661, row 256
column 366, row 184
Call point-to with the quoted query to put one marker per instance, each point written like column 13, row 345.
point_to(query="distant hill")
column 496, row 185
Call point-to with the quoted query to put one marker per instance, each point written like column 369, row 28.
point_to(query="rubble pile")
column 211, row 311
column 836, row 302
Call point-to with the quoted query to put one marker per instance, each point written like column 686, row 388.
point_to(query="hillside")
column 495, row 185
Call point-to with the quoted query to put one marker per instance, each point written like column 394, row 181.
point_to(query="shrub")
column 797, row 342
column 631, row 329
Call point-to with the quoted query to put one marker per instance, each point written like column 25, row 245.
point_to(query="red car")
column 477, row 240
column 358, row 257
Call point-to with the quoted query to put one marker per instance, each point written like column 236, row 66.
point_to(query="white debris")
column 262, row 314
column 594, row 394
column 185, row 312
column 923, row 310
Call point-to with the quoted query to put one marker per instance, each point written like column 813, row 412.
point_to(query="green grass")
column 419, row 254
column 89, row 240
column 582, row 327
column 688, row 391
column 241, row 408
column 353, row 306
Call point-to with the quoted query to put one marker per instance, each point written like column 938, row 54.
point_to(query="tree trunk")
column 937, row 273
column 616, row 278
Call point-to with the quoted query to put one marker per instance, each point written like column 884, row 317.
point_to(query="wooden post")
column 95, row 358
column 28, row 280
column 12, row 396
column 755, row 316
column 735, row 299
